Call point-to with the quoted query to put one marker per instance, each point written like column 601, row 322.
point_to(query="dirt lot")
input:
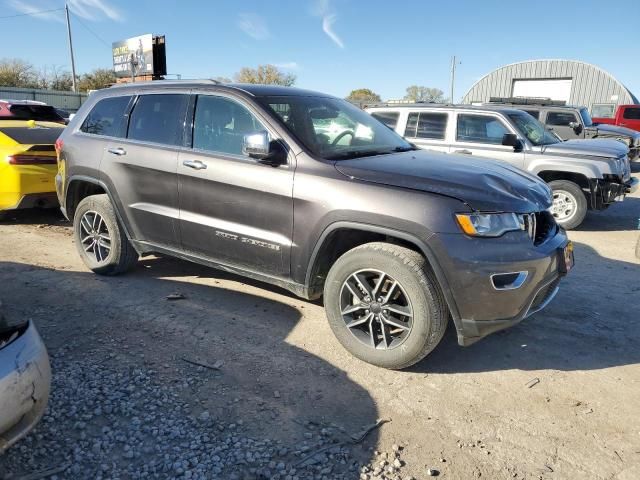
column 284, row 397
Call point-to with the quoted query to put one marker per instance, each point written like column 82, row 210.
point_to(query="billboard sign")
column 137, row 51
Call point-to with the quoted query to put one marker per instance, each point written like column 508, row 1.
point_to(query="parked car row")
column 583, row 174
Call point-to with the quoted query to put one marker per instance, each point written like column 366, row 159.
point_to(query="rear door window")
column 432, row 125
column 390, row 119
column 107, row 117
column 561, row 119
column 158, row 118
column 480, row 129
column 632, row 113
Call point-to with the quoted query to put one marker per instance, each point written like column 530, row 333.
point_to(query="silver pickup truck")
column 583, row 174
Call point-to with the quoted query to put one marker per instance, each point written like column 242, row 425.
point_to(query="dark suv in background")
column 307, row 192
column 570, row 122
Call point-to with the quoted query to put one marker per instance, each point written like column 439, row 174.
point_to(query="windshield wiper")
column 368, row 153
column 356, row 154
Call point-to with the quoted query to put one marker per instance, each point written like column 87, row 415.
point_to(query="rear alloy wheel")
column 384, row 305
column 569, row 205
column 100, row 240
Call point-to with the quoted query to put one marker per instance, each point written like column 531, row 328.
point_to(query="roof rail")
column 170, row 82
column 542, row 101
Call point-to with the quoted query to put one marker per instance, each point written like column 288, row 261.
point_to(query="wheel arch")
column 80, row 187
column 339, row 237
column 579, row 178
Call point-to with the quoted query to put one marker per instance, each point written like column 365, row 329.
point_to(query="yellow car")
column 27, row 164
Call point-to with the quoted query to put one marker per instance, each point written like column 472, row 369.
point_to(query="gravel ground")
column 238, row 380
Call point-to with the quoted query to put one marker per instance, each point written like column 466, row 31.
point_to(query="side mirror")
column 512, row 140
column 257, row 145
column 577, row 127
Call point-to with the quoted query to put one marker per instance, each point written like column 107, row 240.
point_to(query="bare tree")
column 265, row 74
column 417, row 93
column 17, row 73
column 54, row 78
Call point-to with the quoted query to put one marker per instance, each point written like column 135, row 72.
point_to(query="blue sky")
column 335, row 46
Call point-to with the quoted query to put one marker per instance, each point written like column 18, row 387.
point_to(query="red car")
column 28, row 110
column 625, row 116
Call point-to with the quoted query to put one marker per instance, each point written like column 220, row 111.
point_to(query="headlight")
column 489, row 224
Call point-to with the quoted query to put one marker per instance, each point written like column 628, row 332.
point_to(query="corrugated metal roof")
column 590, row 83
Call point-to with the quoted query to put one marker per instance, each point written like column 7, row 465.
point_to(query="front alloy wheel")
column 569, row 206
column 384, row 305
column 376, row 309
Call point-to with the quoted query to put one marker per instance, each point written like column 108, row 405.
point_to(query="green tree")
column 265, row 74
column 17, row 73
column 97, row 79
column 363, row 95
column 55, row 78
column 417, row 93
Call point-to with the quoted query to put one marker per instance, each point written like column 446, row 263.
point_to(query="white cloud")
column 323, row 9
column 254, row 26
column 327, row 27
column 87, row 9
column 29, row 8
column 287, row 65
column 95, row 9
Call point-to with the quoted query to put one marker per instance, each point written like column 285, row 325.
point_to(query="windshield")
column 586, row 118
column 41, row 113
column 334, row 129
column 531, row 128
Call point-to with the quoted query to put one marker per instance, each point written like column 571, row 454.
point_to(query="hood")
column 484, row 185
column 613, row 130
column 596, row 147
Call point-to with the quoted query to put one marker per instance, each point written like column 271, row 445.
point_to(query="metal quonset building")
column 576, row 83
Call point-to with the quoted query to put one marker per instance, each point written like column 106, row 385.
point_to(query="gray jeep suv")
column 305, row 191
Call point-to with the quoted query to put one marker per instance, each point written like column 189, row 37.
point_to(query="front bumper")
column 25, row 380
column 470, row 263
column 603, row 192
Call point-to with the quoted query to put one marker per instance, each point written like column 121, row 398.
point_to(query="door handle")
column 117, row 151
column 465, row 152
column 195, row 164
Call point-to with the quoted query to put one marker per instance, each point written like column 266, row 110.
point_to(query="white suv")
column 583, row 174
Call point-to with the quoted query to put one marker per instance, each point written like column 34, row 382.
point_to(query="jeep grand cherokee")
column 305, row 191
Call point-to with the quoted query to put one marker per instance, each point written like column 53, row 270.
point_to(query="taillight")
column 30, row 160
column 59, row 145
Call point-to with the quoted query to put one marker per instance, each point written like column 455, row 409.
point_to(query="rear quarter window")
column 107, row 117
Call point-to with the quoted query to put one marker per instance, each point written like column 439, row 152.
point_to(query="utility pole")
column 73, row 62
column 453, row 77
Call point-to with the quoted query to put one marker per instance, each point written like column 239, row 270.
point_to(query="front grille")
column 545, row 227
column 539, row 226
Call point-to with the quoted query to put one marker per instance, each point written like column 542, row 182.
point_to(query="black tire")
column 414, row 279
column 120, row 256
column 573, row 191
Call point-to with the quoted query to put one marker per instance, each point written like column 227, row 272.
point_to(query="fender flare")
column 421, row 243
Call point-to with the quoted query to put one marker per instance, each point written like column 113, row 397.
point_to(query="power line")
column 77, row 17
column 31, row 14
